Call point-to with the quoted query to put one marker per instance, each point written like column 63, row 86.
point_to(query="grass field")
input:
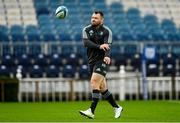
column 136, row 111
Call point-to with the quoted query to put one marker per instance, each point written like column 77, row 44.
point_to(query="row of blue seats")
column 36, row 71
column 33, row 33
column 43, row 60
column 68, row 70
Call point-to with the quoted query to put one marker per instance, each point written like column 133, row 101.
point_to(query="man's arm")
column 90, row 44
column 108, row 40
column 87, row 42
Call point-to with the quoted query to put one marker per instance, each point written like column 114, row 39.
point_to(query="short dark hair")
column 99, row 12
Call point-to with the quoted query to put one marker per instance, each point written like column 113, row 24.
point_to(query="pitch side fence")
column 126, row 87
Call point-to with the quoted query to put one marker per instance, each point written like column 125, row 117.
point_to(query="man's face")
column 96, row 19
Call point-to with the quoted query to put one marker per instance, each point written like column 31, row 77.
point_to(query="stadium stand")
column 32, row 23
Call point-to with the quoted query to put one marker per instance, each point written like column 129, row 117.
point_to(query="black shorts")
column 99, row 67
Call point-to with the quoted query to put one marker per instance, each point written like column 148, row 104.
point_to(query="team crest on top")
column 101, row 33
column 91, row 32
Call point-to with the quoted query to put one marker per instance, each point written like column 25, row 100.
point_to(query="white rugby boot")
column 88, row 113
column 118, row 111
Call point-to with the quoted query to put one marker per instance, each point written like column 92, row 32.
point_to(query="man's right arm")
column 87, row 42
column 90, row 44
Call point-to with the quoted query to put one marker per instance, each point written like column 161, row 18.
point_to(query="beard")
column 95, row 24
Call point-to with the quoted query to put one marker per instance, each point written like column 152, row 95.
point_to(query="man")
column 97, row 38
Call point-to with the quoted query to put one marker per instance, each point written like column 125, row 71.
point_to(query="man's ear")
column 102, row 21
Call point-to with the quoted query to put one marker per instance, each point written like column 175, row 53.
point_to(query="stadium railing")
column 127, row 86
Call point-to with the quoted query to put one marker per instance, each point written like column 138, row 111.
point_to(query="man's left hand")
column 107, row 60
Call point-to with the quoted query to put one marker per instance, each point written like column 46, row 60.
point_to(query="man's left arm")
column 108, row 40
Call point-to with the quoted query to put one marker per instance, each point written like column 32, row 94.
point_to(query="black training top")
column 93, row 37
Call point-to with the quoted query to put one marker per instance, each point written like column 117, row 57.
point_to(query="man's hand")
column 104, row 47
column 107, row 60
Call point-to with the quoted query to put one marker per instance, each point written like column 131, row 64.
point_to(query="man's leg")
column 96, row 80
column 108, row 96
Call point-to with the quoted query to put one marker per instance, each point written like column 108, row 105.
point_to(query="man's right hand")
column 104, row 47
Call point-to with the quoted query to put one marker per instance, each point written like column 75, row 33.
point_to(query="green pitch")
column 137, row 111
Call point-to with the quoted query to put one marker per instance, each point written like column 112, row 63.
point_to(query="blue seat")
column 65, row 36
column 41, row 60
column 6, row 49
column 136, row 61
column 170, row 30
column 173, row 36
column 127, row 36
column 119, row 18
column 120, row 59
column 176, row 50
column 41, row 7
column 32, row 33
column 166, row 24
column 133, row 11
column 140, row 32
column 49, row 37
column 115, row 50
column 68, row 71
column 36, row 71
column 130, row 49
column 52, row 71
column 4, row 33
column 66, row 50
column 149, row 19
column 142, row 36
column 18, row 50
column 157, row 35
column 17, row 33
column 45, row 17
column 8, row 60
column 72, row 59
column 56, row 60
column 133, row 16
column 83, row 72
column 5, row 70
column 81, row 50
column 169, row 65
column 59, row 24
column 24, row 60
column 100, row 6
column 48, row 33
column 153, row 67
column 78, row 37
column 34, row 49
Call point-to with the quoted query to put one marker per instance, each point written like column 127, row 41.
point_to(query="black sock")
column 108, row 96
column 95, row 98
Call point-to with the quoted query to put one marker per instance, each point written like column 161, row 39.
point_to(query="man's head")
column 97, row 18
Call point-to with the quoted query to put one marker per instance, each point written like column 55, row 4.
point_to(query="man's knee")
column 94, row 84
column 96, row 81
